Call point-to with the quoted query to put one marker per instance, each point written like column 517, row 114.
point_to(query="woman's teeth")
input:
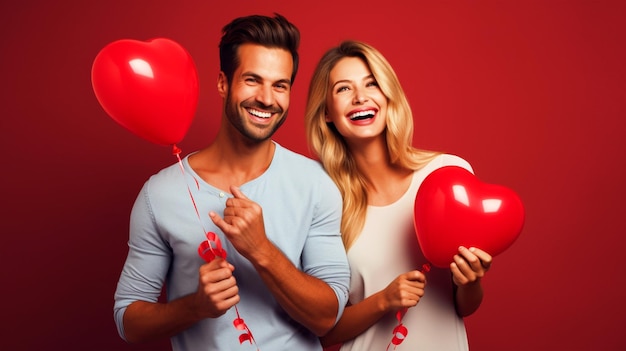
column 361, row 115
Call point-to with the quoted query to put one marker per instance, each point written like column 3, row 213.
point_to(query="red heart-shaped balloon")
column 454, row 208
column 150, row 88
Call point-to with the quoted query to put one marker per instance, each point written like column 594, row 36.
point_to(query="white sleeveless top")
column 388, row 247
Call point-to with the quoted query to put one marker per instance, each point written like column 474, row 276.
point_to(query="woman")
column 360, row 126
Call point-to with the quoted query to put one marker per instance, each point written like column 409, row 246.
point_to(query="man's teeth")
column 260, row 114
column 362, row 115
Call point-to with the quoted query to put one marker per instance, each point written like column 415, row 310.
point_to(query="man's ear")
column 222, row 84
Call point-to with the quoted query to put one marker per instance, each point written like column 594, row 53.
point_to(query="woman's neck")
column 386, row 182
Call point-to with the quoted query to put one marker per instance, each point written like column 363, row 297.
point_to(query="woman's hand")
column 404, row 291
column 469, row 266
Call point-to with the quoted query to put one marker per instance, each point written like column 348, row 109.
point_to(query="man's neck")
column 225, row 163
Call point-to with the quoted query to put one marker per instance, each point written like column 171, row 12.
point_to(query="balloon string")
column 400, row 331
column 218, row 251
column 241, row 325
column 176, row 152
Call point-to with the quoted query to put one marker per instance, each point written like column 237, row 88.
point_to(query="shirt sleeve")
column 324, row 255
column 146, row 265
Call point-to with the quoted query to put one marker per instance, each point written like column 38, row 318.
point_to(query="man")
column 277, row 214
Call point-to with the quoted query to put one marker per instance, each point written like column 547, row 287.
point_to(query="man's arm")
column 217, row 292
column 294, row 290
column 306, row 299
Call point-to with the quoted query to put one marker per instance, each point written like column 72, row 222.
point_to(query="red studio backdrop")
column 531, row 93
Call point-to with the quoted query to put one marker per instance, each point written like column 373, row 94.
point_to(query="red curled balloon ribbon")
column 400, row 331
column 209, row 253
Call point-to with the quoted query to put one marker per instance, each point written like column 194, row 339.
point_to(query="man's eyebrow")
column 251, row 74
column 284, row 81
column 258, row 77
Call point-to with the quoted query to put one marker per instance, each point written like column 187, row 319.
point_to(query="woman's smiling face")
column 356, row 105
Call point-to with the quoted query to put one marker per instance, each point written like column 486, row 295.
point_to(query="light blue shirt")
column 302, row 215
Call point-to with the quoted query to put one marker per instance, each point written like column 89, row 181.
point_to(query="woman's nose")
column 359, row 98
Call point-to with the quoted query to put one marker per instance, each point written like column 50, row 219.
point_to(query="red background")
column 532, row 93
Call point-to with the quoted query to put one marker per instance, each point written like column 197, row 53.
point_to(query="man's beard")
column 238, row 121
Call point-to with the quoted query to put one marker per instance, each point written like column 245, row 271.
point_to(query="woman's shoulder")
column 444, row 160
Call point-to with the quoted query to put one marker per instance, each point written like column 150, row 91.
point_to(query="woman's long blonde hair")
column 330, row 147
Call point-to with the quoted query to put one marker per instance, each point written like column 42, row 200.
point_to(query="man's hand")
column 242, row 224
column 217, row 289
